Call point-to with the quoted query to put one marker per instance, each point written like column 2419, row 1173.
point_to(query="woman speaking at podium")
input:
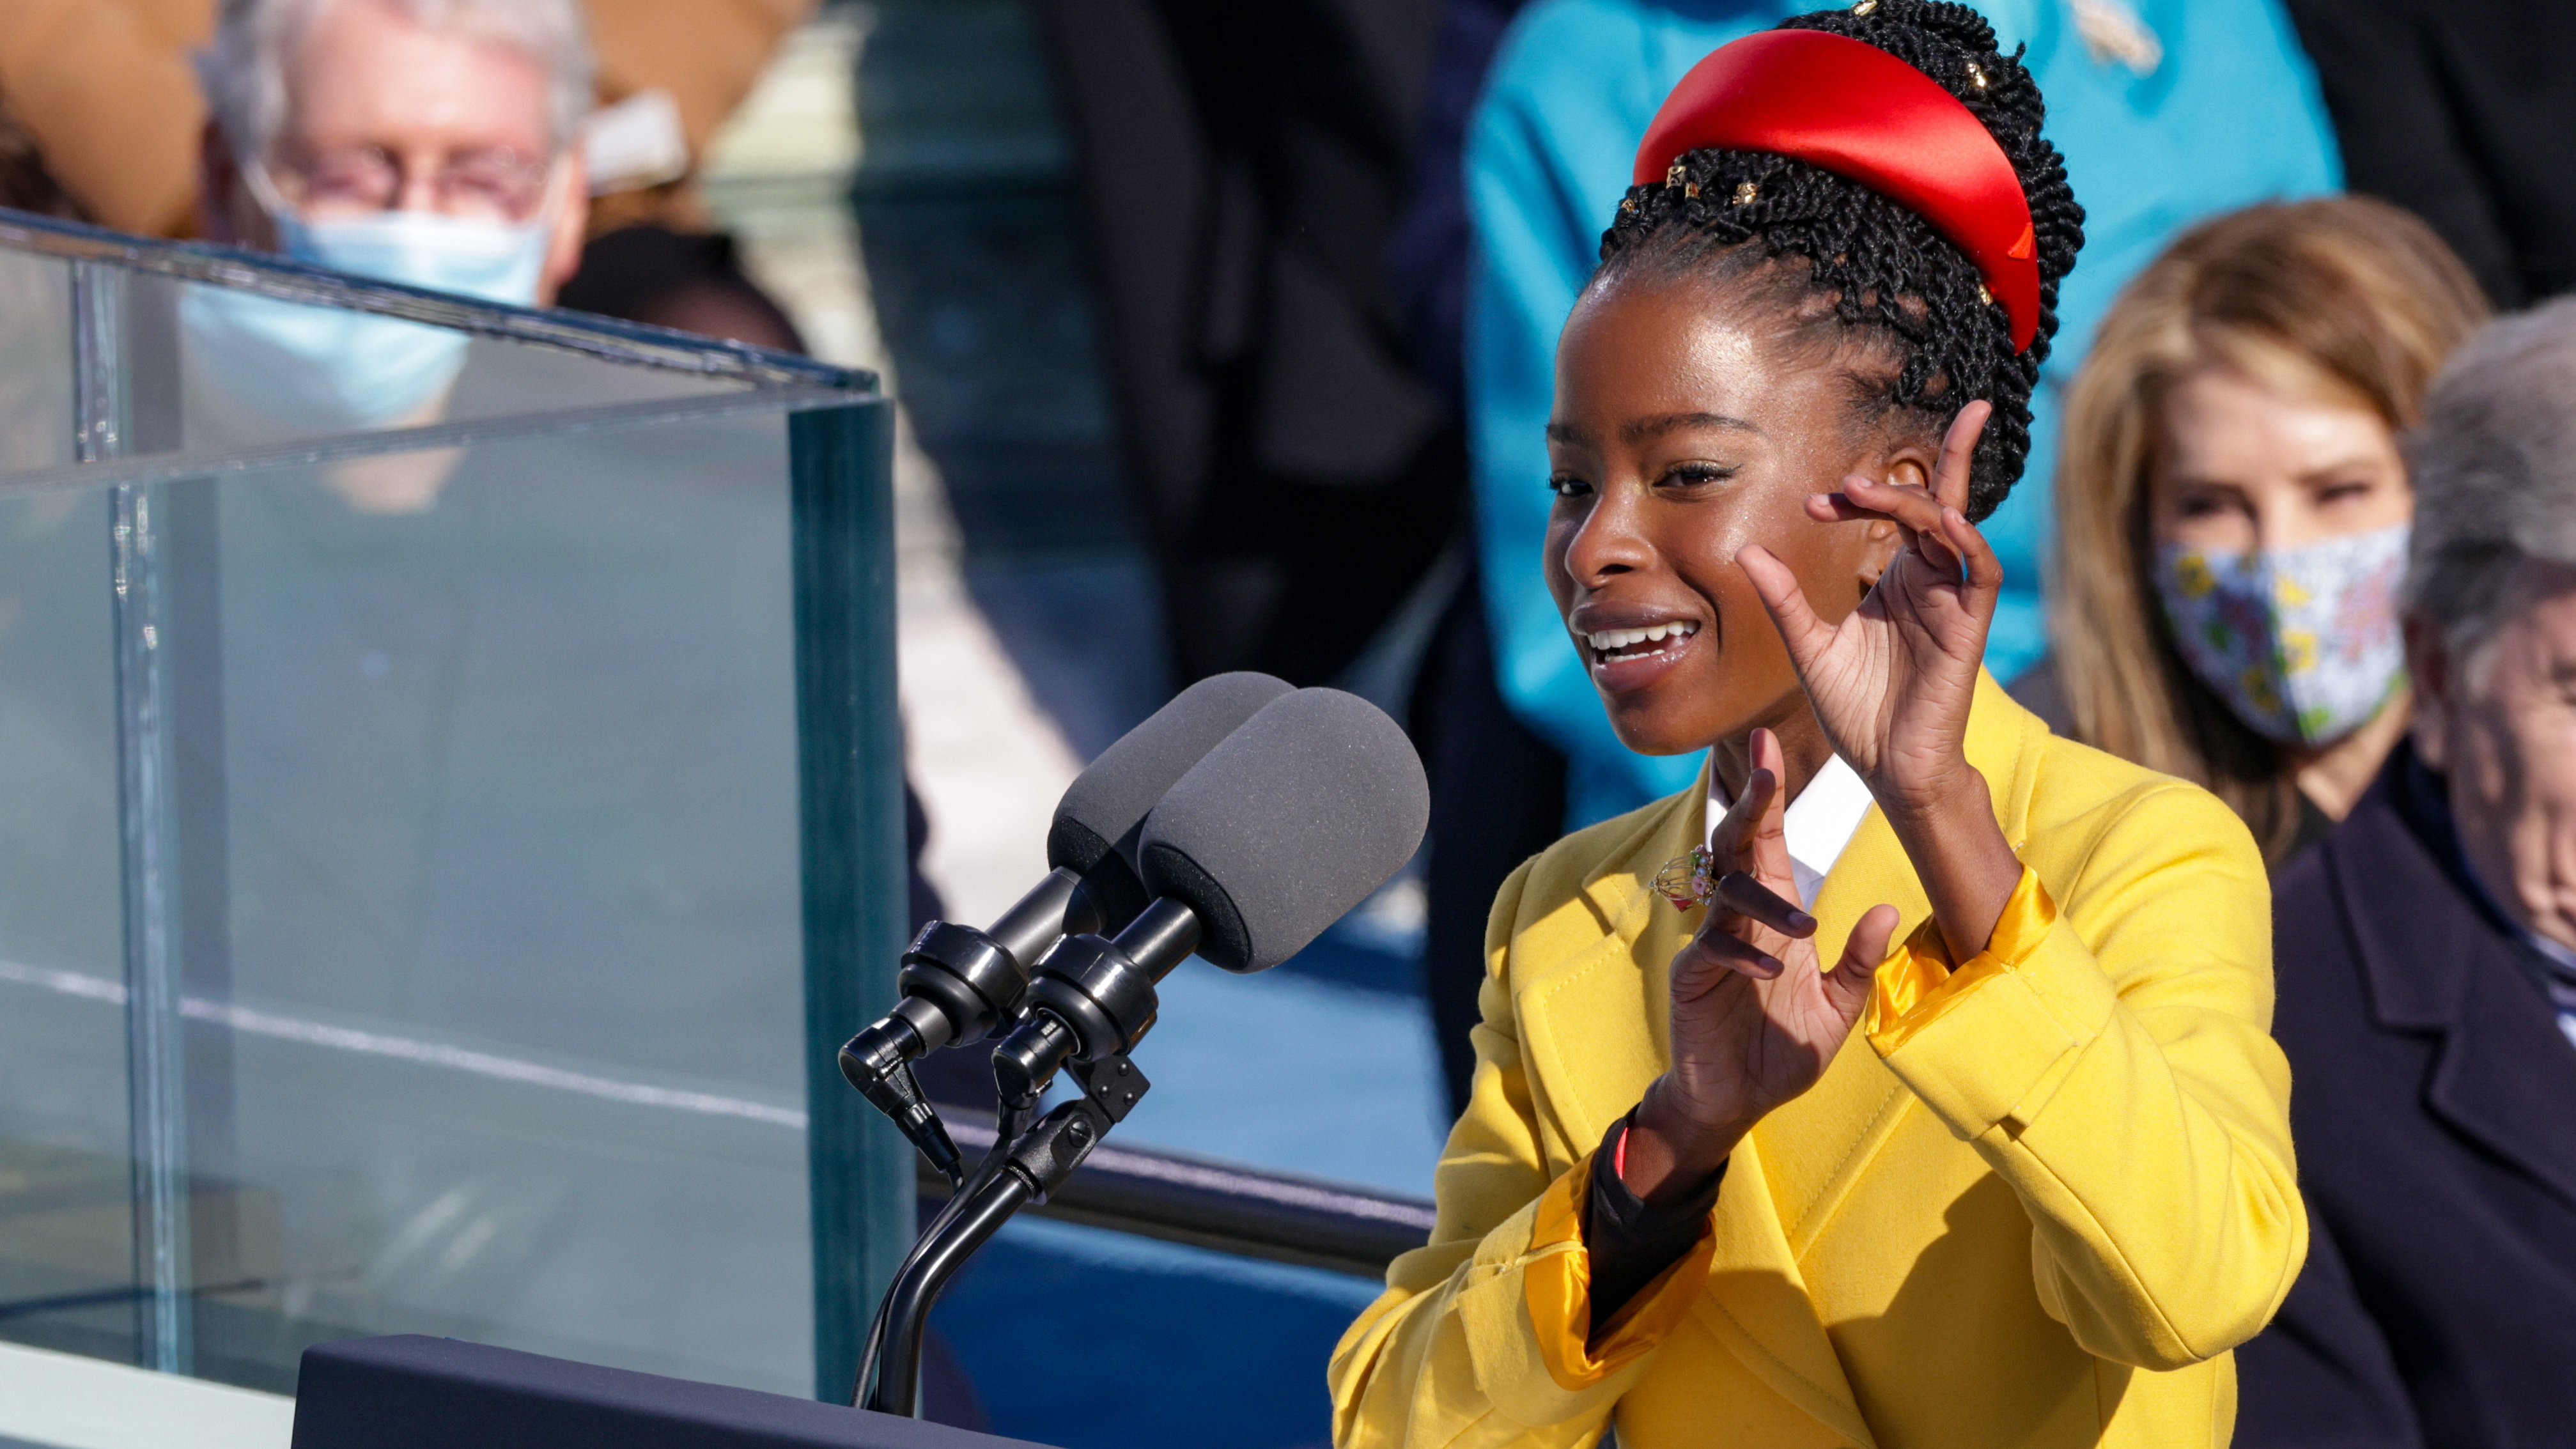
column 1907, row 1082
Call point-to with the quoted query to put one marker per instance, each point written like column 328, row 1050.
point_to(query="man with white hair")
column 431, row 138
column 2426, row 958
column 429, row 142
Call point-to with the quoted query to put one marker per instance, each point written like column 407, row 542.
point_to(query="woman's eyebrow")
column 2358, row 465
column 1638, row 430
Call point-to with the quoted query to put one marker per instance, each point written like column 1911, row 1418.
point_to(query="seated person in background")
column 2427, row 957
column 429, row 144
column 2232, row 507
column 2024, row 1178
column 104, row 91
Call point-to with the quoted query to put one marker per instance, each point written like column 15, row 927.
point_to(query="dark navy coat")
column 2433, row 1104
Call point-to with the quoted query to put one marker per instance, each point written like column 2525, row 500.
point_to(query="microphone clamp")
column 957, row 983
column 965, row 979
column 1092, row 999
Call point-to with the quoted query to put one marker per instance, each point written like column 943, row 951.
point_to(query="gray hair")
column 243, row 69
column 2494, row 469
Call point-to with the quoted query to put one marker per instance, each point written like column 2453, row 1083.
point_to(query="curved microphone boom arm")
column 1025, row 1170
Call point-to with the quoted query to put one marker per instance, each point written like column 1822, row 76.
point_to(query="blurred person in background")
column 2426, row 955
column 670, row 73
column 2166, row 110
column 1243, row 169
column 434, row 143
column 1497, row 788
column 2459, row 111
column 2232, row 507
column 105, row 91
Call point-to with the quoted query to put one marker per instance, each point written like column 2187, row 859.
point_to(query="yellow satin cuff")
column 1557, row 1285
column 1916, row 985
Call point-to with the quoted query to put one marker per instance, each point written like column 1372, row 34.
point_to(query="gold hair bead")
column 1673, row 174
column 1976, row 77
column 1691, row 191
column 1628, row 207
column 1865, row 7
column 1745, row 192
column 1984, row 296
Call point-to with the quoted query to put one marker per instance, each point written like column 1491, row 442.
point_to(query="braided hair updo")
column 1854, row 267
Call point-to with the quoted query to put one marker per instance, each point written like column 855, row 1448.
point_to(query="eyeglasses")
column 489, row 184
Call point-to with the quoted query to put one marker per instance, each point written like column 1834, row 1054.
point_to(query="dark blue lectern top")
column 411, row 1392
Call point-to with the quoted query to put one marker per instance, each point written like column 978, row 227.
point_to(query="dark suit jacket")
column 2433, row 1102
column 1243, row 168
column 2460, row 111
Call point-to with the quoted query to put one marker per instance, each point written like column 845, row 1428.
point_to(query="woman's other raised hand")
column 1754, row 1022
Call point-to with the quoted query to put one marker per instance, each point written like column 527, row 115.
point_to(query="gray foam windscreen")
column 1109, row 799
column 1316, row 802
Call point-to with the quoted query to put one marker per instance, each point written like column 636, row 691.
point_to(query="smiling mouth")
column 1621, row 646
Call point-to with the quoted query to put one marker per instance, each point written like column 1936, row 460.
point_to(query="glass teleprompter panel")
column 66, row 1218
column 35, row 361
column 206, row 352
column 404, row 828
column 506, row 1017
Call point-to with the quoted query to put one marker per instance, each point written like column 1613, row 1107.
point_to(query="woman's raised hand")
column 1754, row 1023
column 1892, row 682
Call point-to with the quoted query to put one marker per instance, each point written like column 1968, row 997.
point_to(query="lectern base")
column 411, row 1392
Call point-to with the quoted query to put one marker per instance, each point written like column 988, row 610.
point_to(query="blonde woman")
column 2233, row 509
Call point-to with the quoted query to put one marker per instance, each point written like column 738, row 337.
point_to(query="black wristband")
column 1629, row 1242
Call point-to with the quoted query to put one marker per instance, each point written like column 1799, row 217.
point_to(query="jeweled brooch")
column 1686, row 880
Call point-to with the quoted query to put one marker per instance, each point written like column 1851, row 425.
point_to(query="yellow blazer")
column 2035, row 1200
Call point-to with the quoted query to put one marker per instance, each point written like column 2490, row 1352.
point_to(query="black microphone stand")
column 1019, row 1171
column 1090, row 1002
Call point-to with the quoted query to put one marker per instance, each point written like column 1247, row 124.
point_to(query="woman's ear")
column 1917, row 464
column 1909, row 466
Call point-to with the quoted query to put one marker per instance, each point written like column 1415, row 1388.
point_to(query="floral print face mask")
column 2302, row 643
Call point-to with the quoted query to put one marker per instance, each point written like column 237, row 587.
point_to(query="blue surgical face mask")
column 308, row 370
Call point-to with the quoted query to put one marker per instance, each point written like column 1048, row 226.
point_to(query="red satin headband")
column 1859, row 112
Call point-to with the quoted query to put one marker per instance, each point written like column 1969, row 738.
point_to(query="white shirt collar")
column 1819, row 823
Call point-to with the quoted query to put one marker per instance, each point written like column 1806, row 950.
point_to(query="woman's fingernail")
column 1801, row 921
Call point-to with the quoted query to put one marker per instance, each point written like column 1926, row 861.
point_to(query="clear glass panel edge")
column 608, row 338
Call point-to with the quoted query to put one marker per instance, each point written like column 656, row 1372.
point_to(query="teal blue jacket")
column 2197, row 107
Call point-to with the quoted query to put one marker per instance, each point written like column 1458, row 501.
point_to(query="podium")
column 468, row 807
column 412, row 1392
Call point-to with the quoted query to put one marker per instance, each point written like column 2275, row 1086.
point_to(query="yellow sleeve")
column 1557, row 1286
column 1451, row 1354
column 2109, row 1055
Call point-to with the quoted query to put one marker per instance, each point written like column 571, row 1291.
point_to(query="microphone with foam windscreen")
column 1297, row 817
column 1294, row 819
column 958, row 982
